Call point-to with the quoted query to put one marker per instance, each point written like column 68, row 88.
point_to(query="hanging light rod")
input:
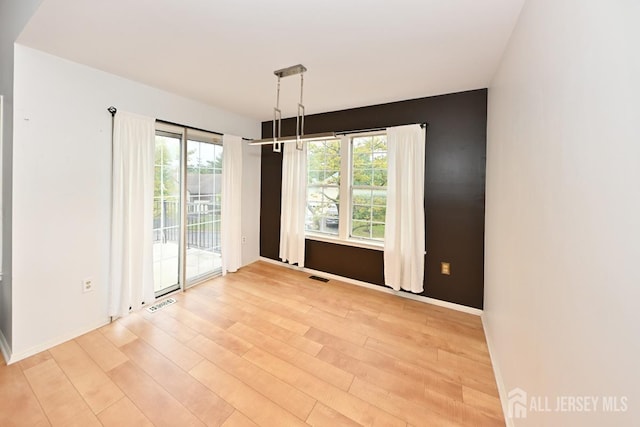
column 322, row 135
column 276, row 139
column 306, row 138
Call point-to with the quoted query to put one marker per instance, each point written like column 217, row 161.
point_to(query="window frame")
column 337, row 186
column 345, row 191
column 185, row 134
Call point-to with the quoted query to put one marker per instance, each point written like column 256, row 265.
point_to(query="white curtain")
column 294, row 202
column 131, row 272
column 404, row 237
column 231, row 203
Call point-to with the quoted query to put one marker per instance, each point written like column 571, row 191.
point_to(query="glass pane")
column 361, row 160
column 166, row 212
column 380, row 197
column 362, row 144
column 331, row 218
column 378, row 214
column 379, row 143
column 361, row 197
column 312, row 217
column 207, row 154
column 322, row 209
column 332, row 177
column 362, row 176
column 362, row 212
column 217, row 162
column 204, row 169
column 377, row 231
column 379, row 177
column 315, row 177
column 360, row 229
column 323, row 155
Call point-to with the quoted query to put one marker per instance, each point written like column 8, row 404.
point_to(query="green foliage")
column 323, row 162
column 166, row 176
column 367, row 230
column 370, row 161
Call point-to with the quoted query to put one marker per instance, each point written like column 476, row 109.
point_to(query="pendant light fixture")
column 277, row 140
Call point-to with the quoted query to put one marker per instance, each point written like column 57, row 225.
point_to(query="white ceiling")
column 223, row 53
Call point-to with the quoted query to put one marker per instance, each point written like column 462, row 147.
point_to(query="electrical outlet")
column 445, row 268
column 87, row 285
column 244, row 239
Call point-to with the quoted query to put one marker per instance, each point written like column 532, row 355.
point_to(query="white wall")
column 13, row 17
column 562, row 283
column 61, row 198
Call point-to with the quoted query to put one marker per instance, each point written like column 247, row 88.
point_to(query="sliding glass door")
column 204, row 183
column 186, row 207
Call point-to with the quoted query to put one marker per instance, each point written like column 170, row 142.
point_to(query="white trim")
column 5, row 348
column 345, row 189
column 346, row 242
column 205, row 277
column 380, row 288
column 502, row 391
column 54, row 342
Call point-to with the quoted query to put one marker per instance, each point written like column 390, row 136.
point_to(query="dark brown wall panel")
column 454, row 193
column 270, row 192
column 363, row 264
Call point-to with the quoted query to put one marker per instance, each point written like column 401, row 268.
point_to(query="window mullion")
column 345, row 188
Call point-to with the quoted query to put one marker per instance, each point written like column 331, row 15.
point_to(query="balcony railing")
column 203, row 224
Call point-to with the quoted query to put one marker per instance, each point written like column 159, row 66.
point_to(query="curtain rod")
column 321, row 136
column 347, row 132
column 167, row 122
column 113, row 111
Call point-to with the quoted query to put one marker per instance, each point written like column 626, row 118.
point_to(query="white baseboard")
column 54, row 342
column 379, row 288
column 502, row 391
column 5, row 348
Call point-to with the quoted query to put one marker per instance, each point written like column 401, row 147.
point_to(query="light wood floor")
column 265, row 346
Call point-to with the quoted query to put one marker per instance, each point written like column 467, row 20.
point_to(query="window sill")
column 350, row 242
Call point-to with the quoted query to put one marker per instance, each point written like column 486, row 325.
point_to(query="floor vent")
column 162, row 304
column 318, row 278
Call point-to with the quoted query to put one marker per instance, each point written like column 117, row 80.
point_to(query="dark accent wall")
column 454, row 193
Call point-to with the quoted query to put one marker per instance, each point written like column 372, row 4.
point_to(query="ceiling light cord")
column 300, row 117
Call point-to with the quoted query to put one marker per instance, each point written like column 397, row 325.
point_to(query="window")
column 347, row 188
column 204, row 194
